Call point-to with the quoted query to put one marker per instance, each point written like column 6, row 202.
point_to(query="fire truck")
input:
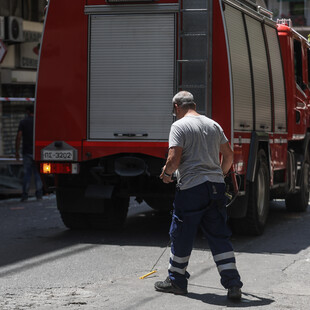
column 107, row 73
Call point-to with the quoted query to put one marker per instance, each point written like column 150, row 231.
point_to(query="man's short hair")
column 184, row 99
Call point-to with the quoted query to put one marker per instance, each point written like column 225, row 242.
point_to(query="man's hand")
column 172, row 164
column 165, row 177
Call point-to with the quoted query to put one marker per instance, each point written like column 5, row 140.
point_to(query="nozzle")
column 229, row 196
column 148, row 274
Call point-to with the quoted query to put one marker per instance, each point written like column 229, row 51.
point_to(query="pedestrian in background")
column 25, row 133
column 195, row 142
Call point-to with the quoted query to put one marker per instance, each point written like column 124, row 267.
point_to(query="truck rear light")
column 59, row 168
column 45, row 168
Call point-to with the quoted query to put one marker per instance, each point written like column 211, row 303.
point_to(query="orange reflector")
column 61, row 168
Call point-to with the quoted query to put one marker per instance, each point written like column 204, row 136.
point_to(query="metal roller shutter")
column 240, row 67
column 132, row 64
column 278, row 80
column 263, row 109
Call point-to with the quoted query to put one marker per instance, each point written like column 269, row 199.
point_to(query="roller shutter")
column 131, row 76
column 278, row 79
column 240, row 68
column 263, row 108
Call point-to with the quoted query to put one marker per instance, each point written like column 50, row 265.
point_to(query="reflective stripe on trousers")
column 178, row 264
column 225, row 261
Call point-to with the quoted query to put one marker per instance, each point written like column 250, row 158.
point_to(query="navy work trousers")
column 201, row 206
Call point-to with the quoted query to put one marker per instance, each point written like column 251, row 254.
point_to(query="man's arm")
column 228, row 157
column 172, row 163
column 17, row 143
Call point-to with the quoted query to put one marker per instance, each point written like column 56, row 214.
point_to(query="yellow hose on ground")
column 148, row 274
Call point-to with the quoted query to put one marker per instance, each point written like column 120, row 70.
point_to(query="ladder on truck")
column 194, row 51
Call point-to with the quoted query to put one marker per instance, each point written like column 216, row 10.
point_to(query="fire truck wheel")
column 258, row 206
column 114, row 215
column 74, row 220
column 298, row 202
column 159, row 204
column 258, row 203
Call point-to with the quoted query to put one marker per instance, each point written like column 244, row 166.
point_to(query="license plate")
column 57, row 155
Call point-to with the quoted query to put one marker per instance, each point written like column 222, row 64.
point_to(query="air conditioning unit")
column 2, row 32
column 14, row 29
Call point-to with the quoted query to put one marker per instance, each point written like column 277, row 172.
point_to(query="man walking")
column 25, row 132
column 195, row 142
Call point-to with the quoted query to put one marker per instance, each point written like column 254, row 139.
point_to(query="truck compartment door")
column 131, row 76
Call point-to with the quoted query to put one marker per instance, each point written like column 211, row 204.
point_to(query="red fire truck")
column 107, row 73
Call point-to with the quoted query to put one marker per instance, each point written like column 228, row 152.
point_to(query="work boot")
column 168, row 287
column 39, row 194
column 234, row 293
column 24, row 197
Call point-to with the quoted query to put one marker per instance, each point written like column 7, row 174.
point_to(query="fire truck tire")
column 298, row 202
column 114, row 215
column 74, row 220
column 258, row 203
column 158, row 204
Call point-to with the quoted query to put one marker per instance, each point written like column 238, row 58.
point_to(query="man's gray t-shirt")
column 200, row 138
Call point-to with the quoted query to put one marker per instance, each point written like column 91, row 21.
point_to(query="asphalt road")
column 43, row 265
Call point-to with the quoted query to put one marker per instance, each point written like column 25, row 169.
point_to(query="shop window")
column 5, row 8
column 11, row 113
column 297, row 13
column 18, row 90
column 29, row 10
column 11, row 8
column 33, row 10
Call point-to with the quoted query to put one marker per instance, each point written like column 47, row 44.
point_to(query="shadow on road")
column 285, row 232
column 248, row 300
column 37, row 230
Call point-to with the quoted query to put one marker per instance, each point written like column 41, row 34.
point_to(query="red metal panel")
column 61, row 106
column 99, row 149
column 221, row 105
column 95, row 149
column 305, row 49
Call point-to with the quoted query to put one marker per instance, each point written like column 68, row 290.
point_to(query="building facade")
column 21, row 26
column 296, row 10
